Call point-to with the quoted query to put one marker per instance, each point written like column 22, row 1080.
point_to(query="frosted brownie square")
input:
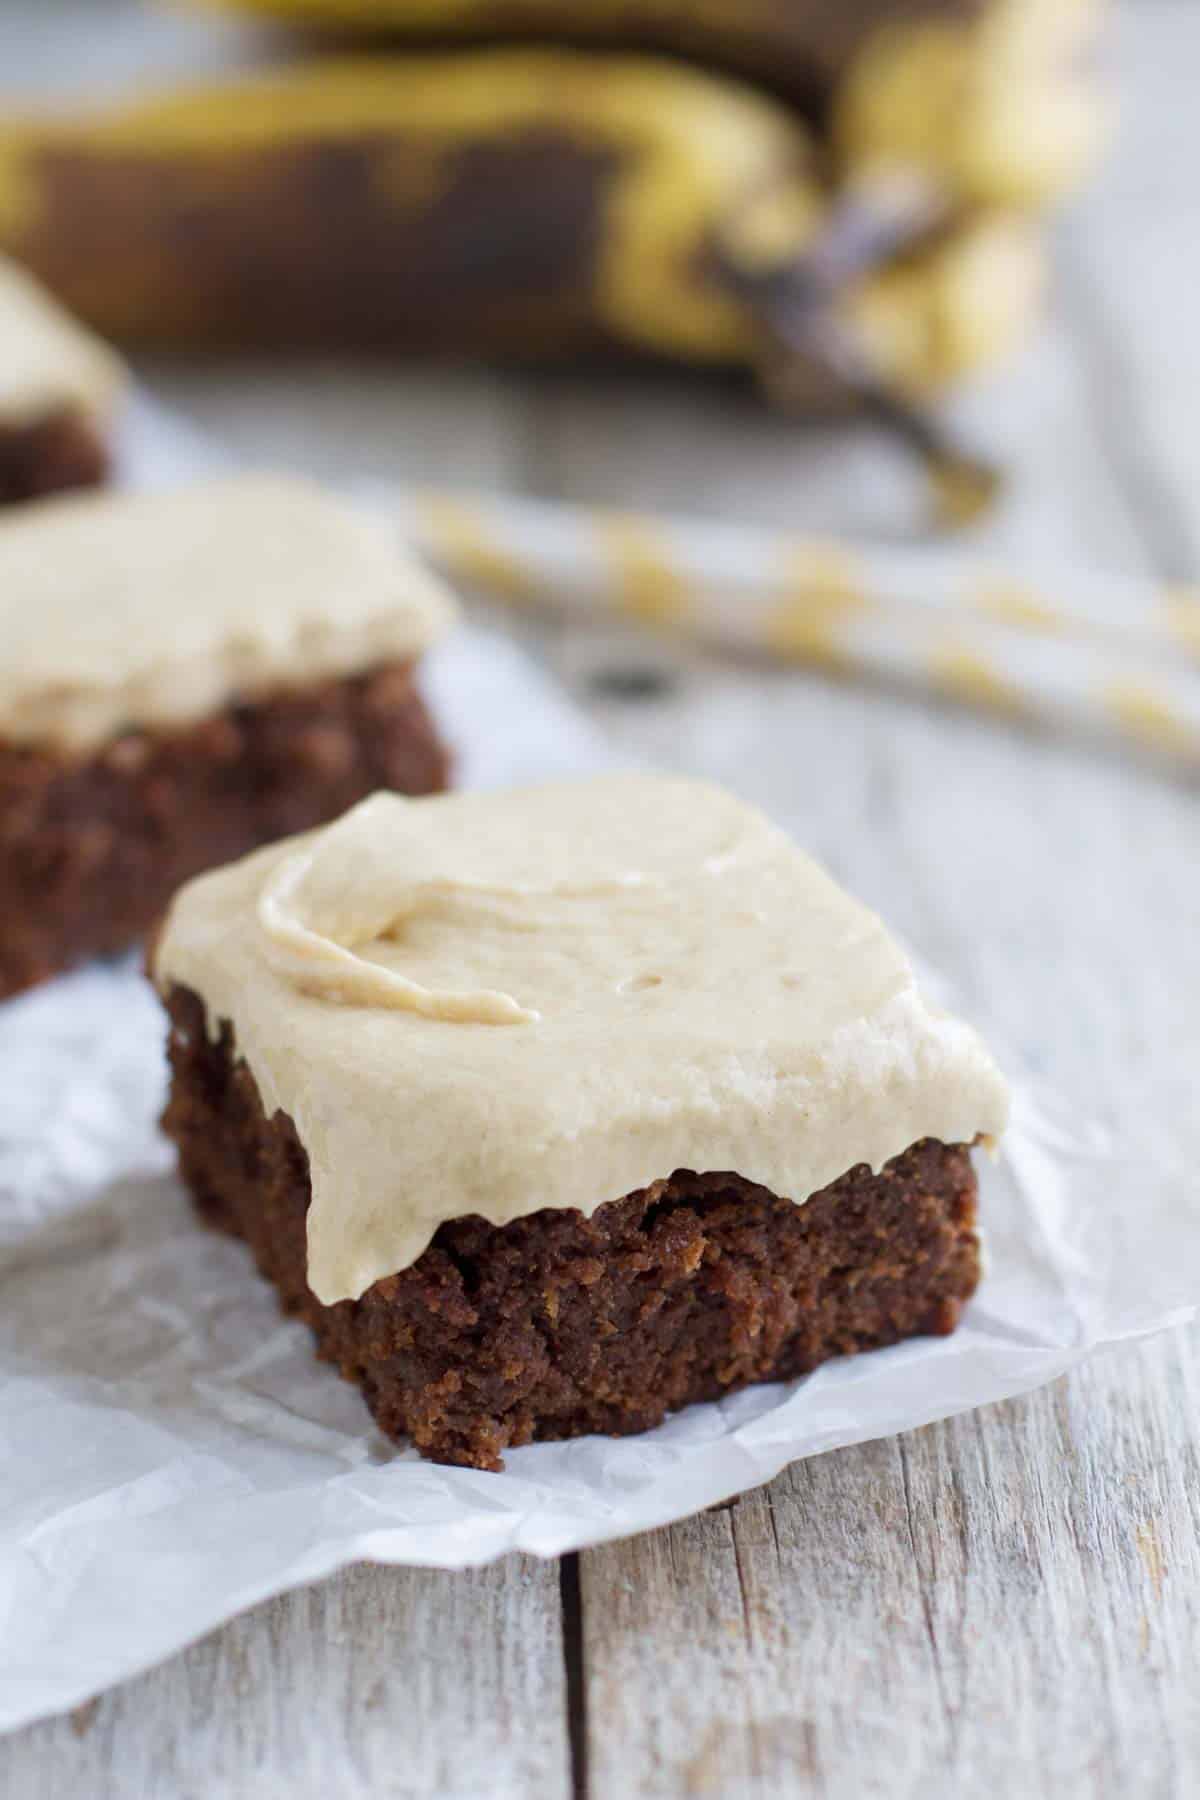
column 556, row 1109
column 184, row 676
column 60, row 388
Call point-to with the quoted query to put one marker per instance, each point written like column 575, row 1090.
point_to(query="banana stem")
column 963, row 486
column 795, row 302
column 875, row 219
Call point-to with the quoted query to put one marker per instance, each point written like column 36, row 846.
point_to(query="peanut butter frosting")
column 550, row 997
column 48, row 363
column 124, row 610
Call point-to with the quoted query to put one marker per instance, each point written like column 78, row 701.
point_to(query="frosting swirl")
column 333, row 914
column 490, row 1004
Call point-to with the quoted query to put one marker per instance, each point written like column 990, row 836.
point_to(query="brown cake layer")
column 60, row 451
column 92, row 847
column 557, row 1325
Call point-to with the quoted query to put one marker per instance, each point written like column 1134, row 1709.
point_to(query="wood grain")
column 1008, row 1603
column 383, row 1682
column 807, row 1644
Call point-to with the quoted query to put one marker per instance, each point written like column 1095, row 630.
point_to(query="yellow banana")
column 1004, row 110
column 992, row 96
column 536, row 203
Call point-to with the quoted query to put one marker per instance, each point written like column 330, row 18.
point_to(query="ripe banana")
column 535, row 203
column 993, row 97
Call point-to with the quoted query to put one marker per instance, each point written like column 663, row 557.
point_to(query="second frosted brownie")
column 60, row 390
column 184, row 676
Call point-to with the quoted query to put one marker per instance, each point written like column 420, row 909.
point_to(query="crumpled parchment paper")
column 171, row 1450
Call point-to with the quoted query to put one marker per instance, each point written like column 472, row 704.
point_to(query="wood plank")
column 1059, row 967
column 1058, row 1541
column 1051, row 1543
column 1133, row 262
column 1006, row 1603
column 345, row 421
column 381, row 1682
column 806, row 1644
column 712, row 447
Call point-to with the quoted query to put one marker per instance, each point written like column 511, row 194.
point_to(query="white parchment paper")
column 171, row 1451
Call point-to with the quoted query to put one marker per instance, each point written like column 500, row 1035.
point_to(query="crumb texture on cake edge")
column 557, row 1325
column 93, row 846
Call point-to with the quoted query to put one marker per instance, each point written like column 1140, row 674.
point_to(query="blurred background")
column 842, row 217
column 790, row 277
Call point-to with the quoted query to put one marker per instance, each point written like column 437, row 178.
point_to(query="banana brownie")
column 59, row 391
column 554, row 1110
column 184, row 676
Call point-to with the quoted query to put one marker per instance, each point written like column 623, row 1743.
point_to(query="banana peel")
column 529, row 203
column 995, row 99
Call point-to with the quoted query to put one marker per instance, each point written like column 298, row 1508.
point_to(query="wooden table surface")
column 1005, row 1604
